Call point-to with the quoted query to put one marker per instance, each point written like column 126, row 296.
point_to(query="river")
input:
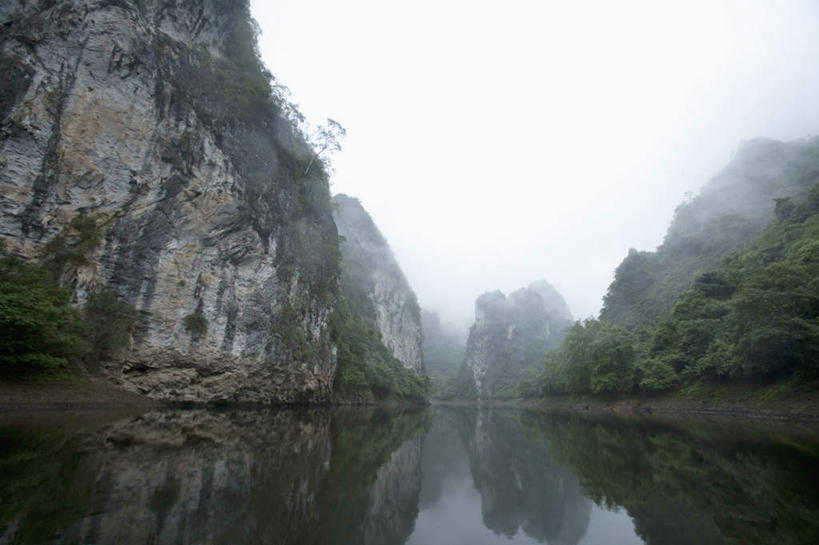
column 432, row 476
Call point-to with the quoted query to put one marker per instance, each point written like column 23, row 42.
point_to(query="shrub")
column 73, row 246
column 196, row 323
column 110, row 324
column 364, row 361
column 38, row 327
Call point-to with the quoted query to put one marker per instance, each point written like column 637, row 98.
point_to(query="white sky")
column 499, row 142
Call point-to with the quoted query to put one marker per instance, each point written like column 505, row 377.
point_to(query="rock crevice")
column 154, row 121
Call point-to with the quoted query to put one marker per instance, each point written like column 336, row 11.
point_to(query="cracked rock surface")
column 135, row 117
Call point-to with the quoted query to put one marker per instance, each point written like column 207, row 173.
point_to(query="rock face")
column 372, row 278
column 512, row 333
column 141, row 151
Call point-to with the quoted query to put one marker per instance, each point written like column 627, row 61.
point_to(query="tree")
column 326, row 140
column 38, row 326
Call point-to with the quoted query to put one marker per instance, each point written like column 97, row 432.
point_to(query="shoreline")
column 775, row 403
column 772, row 403
column 68, row 392
column 71, row 391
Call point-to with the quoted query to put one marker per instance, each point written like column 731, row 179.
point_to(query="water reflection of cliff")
column 681, row 483
column 359, row 477
column 520, row 486
column 238, row 477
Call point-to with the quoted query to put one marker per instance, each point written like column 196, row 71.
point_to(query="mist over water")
column 497, row 144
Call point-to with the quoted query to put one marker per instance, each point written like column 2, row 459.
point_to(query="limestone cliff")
column 512, row 333
column 373, row 280
column 142, row 151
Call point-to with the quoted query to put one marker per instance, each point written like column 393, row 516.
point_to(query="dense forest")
column 727, row 296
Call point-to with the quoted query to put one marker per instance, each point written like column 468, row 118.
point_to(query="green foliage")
column 765, row 321
column 461, row 386
column 196, row 323
column 110, row 324
column 38, row 327
column 596, row 358
column 365, row 363
column 731, row 210
column 655, row 374
column 74, row 245
column 756, row 315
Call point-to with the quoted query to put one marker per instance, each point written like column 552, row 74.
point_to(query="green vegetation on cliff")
column 378, row 356
column 40, row 328
column 366, row 365
column 754, row 316
column 731, row 209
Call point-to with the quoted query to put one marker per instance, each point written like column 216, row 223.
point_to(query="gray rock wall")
column 512, row 333
column 137, row 133
column 370, row 271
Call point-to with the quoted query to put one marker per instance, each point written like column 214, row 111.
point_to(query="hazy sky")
column 496, row 143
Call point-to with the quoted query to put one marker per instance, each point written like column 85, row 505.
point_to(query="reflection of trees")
column 370, row 495
column 520, row 487
column 707, row 485
column 232, row 477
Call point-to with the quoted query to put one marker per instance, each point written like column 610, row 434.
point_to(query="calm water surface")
column 424, row 477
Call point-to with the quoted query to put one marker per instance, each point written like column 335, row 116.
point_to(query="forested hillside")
column 729, row 211
column 709, row 305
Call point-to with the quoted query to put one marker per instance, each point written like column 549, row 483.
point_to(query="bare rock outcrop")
column 142, row 151
column 370, row 272
column 512, row 333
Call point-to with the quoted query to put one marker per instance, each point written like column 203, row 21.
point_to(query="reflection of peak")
column 520, row 488
column 572, row 524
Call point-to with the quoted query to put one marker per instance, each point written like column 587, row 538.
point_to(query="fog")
column 496, row 143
